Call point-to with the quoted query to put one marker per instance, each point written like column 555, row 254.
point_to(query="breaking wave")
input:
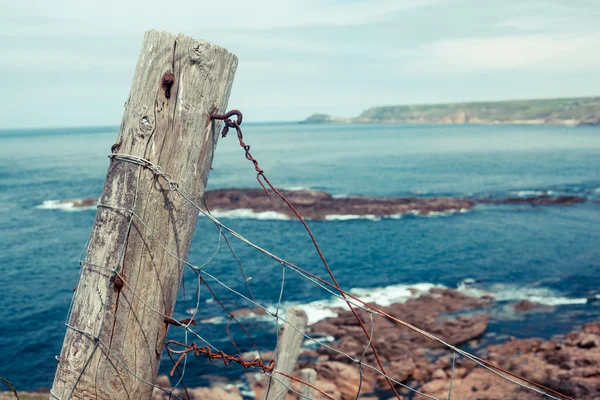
column 318, row 310
column 71, row 205
column 508, row 292
column 247, row 213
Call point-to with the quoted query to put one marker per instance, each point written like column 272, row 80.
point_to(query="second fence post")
column 308, row 375
column 131, row 273
column 286, row 354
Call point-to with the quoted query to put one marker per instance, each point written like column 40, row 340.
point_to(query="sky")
column 70, row 63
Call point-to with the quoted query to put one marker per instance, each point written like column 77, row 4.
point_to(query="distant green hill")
column 572, row 111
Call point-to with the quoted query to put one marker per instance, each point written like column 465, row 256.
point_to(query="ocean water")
column 513, row 252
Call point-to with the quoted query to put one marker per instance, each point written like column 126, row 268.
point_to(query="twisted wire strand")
column 217, row 355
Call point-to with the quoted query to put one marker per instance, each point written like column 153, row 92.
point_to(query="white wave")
column 383, row 296
column 416, row 213
column 440, row 213
column 296, row 188
column 393, row 294
column 530, row 193
column 348, row 217
column 248, row 213
column 446, row 213
column 63, row 205
column 508, row 292
column 318, row 310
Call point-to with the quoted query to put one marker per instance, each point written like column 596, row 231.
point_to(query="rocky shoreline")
column 316, row 205
column 569, row 364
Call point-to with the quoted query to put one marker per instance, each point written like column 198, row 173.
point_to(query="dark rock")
column 541, row 200
column 318, row 205
column 313, row 204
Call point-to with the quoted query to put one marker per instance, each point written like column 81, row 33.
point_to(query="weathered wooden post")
column 286, row 354
column 308, row 375
column 116, row 332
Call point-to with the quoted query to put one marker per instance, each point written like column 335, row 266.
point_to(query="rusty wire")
column 350, row 299
column 261, row 174
column 319, row 281
column 217, row 355
column 345, row 295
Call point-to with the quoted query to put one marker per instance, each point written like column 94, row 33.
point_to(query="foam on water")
column 509, row 292
column 384, row 296
column 349, row 217
column 530, row 193
column 63, row 205
column 296, row 188
column 247, row 213
column 447, row 213
column 416, row 213
column 397, row 294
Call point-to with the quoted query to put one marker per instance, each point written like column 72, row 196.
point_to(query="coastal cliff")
column 567, row 111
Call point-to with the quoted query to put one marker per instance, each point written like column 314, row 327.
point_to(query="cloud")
column 109, row 17
column 298, row 57
column 533, row 52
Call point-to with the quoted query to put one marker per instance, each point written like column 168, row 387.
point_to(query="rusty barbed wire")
column 217, row 355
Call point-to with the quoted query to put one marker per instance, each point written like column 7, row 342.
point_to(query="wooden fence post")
column 286, row 354
column 308, row 375
column 115, row 334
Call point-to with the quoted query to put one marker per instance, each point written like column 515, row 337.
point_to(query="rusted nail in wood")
column 118, row 282
column 168, row 80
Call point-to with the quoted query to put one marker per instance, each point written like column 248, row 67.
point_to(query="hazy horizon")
column 116, row 125
column 71, row 63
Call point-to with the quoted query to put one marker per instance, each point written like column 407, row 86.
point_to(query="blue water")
column 546, row 253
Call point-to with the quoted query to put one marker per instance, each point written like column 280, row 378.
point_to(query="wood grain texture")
column 286, row 354
column 172, row 130
column 308, row 375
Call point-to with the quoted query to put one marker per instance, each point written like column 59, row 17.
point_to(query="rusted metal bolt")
column 118, row 282
column 168, row 80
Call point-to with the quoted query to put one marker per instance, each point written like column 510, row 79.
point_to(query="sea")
column 546, row 254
